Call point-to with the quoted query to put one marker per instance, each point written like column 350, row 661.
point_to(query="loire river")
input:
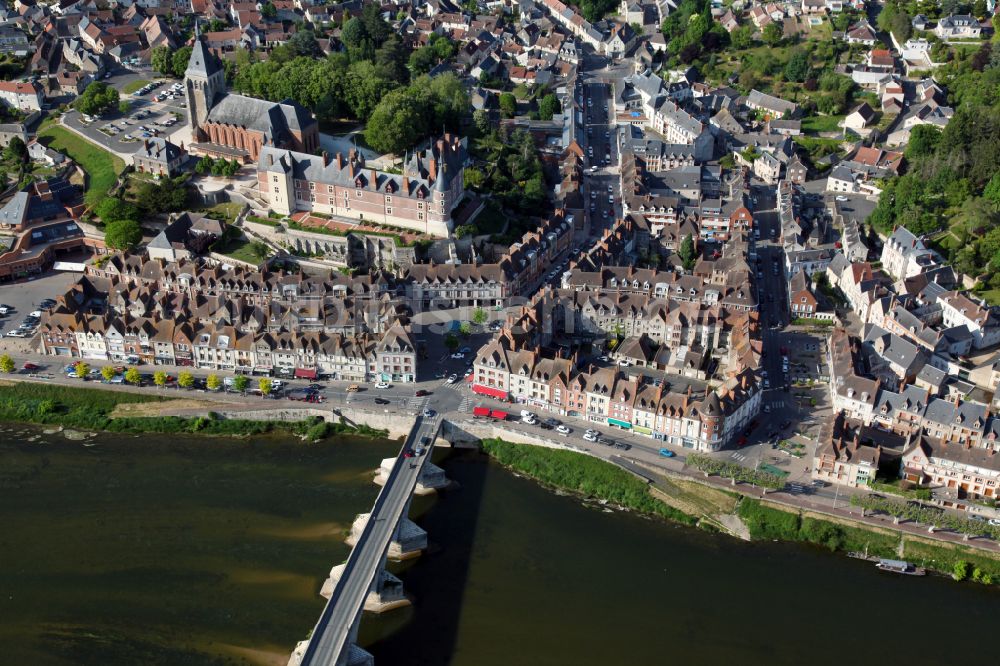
column 208, row 551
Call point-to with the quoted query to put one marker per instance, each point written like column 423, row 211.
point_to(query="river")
column 195, row 551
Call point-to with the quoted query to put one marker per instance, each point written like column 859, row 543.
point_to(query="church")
column 233, row 126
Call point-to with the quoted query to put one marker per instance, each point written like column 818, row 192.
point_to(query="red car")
column 30, row 366
column 420, row 393
column 407, row 454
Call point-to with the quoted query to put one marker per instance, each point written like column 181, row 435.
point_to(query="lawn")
column 130, row 88
column 224, row 211
column 820, row 124
column 101, row 166
column 234, row 244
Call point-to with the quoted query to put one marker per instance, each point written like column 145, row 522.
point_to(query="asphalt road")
column 603, row 178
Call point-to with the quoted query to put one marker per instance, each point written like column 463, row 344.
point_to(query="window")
column 357, row 193
column 275, row 178
column 420, row 216
column 420, row 205
column 312, row 186
column 388, row 211
column 329, row 188
column 388, row 199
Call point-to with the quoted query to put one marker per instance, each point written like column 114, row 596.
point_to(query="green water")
column 170, row 551
column 210, row 551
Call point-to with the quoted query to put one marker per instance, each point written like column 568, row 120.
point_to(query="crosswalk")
column 777, row 404
column 466, row 404
column 739, row 456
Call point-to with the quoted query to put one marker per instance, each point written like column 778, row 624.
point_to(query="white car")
column 528, row 420
column 458, row 355
column 382, row 385
column 526, row 414
column 563, row 430
column 452, row 379
column 590, row 437
column 429, row 413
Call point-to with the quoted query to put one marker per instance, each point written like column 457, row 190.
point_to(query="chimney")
column 270, row 159
column 340, row 160
column 406, row 185
column 374, row 177
column 432, row 170
column 326, row 159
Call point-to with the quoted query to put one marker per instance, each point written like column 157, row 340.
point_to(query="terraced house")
column 705, row 421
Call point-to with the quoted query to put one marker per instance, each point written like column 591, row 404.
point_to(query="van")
column 353, row 388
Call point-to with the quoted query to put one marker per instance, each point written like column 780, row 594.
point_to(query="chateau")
column 422, row 197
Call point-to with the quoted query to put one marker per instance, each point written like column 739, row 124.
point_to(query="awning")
column 641, row 430
column 499, row 394
column 305, row 373
column 499, row 414
column 620, row 424
column 480, row 411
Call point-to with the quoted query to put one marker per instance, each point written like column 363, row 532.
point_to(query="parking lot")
column 24, row 297
column 121, row 133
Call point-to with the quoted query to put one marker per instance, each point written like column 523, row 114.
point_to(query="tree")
column 133, row 377
column 16, row 151
column 165, row 196
column 205, row 165
column 901, row 26
column 992, row 190
column 124, row 106
column 159, row 58
column 798, row 67
column 742, row 37
column 304, row 43
column 687, row 252
column 451, row 342
column 481, row 119
column 268, row 11
column 108, row 373
column 465, row 329
column 961, row 570
column 480, row 316
column 185, row 379
column 240, row 383
column 179, row 60
column 508, row 105
column 260, row 249
column 923, row 140
column 160, row 378
column 772, row 34
column 548, row 106
column 96, row 99
column 122, row 234
column 82, row 369
column 212, row 382
column 112, row 209
column 395, row 124
column 6, row 364
column 264, row 384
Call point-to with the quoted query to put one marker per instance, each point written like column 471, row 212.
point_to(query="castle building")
column 421, row 198
column 234, row 126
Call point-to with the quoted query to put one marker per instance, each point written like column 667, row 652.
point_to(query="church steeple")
column 204, row 81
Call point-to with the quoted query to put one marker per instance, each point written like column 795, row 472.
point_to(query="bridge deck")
column 331, row 636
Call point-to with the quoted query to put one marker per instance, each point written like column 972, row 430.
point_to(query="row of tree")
column 185, row 379
column 219, row 167
column 901, row 510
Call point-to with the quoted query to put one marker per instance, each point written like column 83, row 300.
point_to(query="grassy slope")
column 101, row 166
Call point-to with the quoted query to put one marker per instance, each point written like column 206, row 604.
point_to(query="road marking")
column 739, row 456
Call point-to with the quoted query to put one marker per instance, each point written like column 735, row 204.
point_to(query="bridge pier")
column 408, row 538
column 386, row 591
column 431, row 477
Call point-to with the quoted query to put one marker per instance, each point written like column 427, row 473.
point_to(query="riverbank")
column 583, row 475
column 96, row 409
column 767, row 521
column 693, row 502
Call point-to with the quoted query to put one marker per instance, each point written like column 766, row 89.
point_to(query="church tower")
column 204, row 80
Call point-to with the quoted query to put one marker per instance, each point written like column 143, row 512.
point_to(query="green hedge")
column 580, row 473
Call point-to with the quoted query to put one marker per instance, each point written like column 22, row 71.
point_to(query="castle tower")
column 204, row 80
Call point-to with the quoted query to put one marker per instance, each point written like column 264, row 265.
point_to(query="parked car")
column 563, row 430
column 381, row 385
column 452, row 379
column 667, row 453
column 590, row 437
